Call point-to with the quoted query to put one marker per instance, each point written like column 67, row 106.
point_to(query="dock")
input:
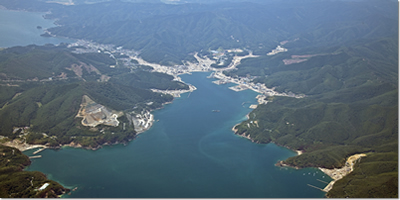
column 238, row 88
column 220, row 82
column 39, row 150
column 211, row 75
column 322, row 181
column 253, row 106
column 315, row 187
column 38, row 156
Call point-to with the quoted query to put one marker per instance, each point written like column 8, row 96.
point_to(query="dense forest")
column 166, row 33
column 346, row 64
column 15, row 183
column 351, row 106
column 45, row 89
column 41, row 92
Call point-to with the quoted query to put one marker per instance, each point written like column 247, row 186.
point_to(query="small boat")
column 216, row 110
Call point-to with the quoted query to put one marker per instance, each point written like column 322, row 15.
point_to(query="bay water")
column 18, row 28
column 189, row 152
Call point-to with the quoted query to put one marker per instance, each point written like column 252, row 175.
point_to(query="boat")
column 216, row 110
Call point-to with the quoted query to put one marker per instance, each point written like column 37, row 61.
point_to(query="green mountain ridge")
column 51, row 106
column 167, row 33
column 351, row 107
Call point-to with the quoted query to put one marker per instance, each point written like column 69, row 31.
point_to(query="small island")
column 46, row 35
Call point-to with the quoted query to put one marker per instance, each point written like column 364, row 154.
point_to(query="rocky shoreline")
column 336, row 174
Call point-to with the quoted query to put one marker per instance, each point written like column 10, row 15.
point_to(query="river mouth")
column 189, row 152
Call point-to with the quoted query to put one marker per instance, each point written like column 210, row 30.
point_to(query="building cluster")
column 176, row 93
column 277, row 50
column 203, row 65
column 141, row 122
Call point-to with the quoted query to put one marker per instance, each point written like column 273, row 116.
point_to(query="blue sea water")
column 191, row 152
column 19, row 28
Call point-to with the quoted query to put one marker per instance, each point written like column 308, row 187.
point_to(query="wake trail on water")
column 203, row 152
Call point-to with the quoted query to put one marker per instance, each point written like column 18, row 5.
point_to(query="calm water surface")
column 190, row 152
column 19, row 28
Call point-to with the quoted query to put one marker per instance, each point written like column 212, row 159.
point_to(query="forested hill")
column 16, row 183
column 351, row 106
column 42, row 89
column 166, row 33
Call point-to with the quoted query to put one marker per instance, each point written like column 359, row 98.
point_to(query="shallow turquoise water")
column 190, row 152
column 19, row 28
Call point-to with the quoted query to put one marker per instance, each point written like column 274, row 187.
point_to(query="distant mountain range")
column 166, row 33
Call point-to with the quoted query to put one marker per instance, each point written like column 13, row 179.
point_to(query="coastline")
column 244, row 134
column 45, row 30
column 23, row 146
column 336, row 173
column 279, row 163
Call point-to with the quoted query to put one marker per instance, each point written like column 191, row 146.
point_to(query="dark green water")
column 190, row 152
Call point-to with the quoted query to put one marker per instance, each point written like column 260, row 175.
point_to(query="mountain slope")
column 351, row 107
column 45, row 86
column 167, row 33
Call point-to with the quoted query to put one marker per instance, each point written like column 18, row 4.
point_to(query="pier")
column 315, row 187
column 38, row 156
column 37, row 151
column 322, row 181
